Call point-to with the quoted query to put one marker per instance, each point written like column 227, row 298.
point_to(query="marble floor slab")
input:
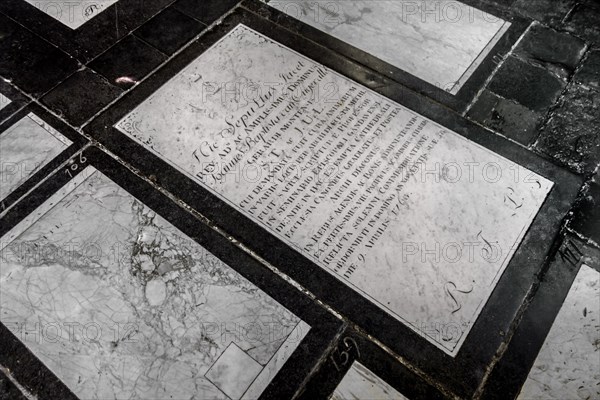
column 440, row 42
column 25, row 148
column 568, row 364
column 120, row 304
column 72, row 13
column 416, row 218
column 360, row 383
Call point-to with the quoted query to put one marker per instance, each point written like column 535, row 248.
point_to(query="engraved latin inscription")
column 416, row 218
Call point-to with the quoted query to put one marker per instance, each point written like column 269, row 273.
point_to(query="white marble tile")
column 360, row 383
column 4, row 101
column 276, row 362
column 120, row 304
column 26, row 147
column 361, row 185
column 568, row 364
column 72, row 13
column 439, row 41
column 234, row 371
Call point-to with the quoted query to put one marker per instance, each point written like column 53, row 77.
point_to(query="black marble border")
column 94, row 36
column 8, row 390
column 458, row 101
column 77, row 140
column 462, row 373
column 17, row 100
column 511, row 372
column 352, row 346
column 31, row 373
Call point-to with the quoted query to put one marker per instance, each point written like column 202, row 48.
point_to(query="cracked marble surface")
column 439, row 216
column 120, row 304
column 25, row 147
column 568, row 364
column 72, row 13
column 441, row 42
column 360, row 383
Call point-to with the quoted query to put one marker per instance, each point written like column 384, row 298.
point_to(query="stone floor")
column 302, row 199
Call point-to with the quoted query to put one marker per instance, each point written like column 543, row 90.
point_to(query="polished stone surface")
column 128, row 62
column 441, row 42
column 29, row 62
column 72, row 13
column 118, row 303
column 234, row 371
column 540, row 87
column 181, row 29
column 25, row 148
column 93, row 91
column 416, row 218
column 568, row 365
column 360, row 383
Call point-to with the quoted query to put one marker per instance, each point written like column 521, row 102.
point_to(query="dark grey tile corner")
column 127, row 62
column 81, row 96
column 181, row 29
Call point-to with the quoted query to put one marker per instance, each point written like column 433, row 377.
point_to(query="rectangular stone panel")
column 25, row 148
column 568, row 364
column 360, row 383
column 416, row 218
column 72, row 13
column 440, row 42
column 118, row 303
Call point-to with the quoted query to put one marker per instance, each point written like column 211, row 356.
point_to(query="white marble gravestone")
column 360, row 383
column 26, row 147
column 441, row 42
column 120, row 304
column 414, row 217
column 4, row 101
column 568, row 364
column 72, row 13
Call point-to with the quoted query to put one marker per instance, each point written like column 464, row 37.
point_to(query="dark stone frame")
column 509, row 375
column 93, row 37
column 458, row 101
column 78, row 141
column 353, row 346
column 36, row 377
column 461, row 374
column 17, row 100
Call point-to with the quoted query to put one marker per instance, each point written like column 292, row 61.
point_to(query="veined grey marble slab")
column 568, row 364
column 120, row 304
column 415, row 217
column 72, row 13
column 26, row 147
column 439, row 41
column 4, row 101
column 360, row 383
